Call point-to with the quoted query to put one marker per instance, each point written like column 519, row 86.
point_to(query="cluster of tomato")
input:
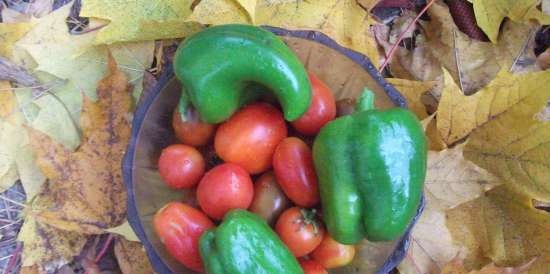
column 253, row 142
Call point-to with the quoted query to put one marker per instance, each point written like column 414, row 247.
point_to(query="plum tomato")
column 294, row 170
column 250, row 136
column 179, row 227
column 190, row 130
column 225, row 187
column 181, row 166
column 332, row 254
column 300, row 230
column 321, row 110
column 310, row 266
column 269, row 199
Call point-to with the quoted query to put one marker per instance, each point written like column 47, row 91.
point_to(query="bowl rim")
column 139, row 115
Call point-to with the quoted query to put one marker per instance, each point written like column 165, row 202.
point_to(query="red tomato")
column 293, row 166
column 332, row 254
column 250, row 136
column 192, row 131
column 179, row 228
column 181, row 166
column 312, row 267
column 300, row 230
column 225, row 187
column 321, row 110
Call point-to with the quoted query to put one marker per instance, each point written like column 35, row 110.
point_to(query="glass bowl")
column 345, row 71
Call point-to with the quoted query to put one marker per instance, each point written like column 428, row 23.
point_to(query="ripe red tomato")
column 225, row 187
column 312, row 267
column 181, row 166
column 332, row 254
column 269, row 199
column 250, row 136
column 321, row 110
column 293, row 166
column 192, row 131
column 299, row 230
column 179, row 228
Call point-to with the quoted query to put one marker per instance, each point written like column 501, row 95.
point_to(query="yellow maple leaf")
column 9, row 34
column 458, row 114
column 502, row 227
column 133, row 20
column 125, row 230
column 490, row 13
column 450, row 180
column 250, row 7
column 515, row 146
column 413, row 91
column 131, row 257
column 86, row 186
column 345, row 21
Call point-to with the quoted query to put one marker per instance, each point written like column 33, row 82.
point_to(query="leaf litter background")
column 474, row 71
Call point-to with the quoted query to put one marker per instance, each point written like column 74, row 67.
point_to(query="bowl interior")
column 344, row 76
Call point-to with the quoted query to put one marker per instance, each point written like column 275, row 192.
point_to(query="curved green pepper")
column 216, row 67
column 244, row 243
column 371, row 167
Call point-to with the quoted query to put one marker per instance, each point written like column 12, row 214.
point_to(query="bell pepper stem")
column 365, row 101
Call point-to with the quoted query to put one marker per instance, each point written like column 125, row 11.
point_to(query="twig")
column 104, row 248
column 12, row 201
column 402, row 35
column 13, row 259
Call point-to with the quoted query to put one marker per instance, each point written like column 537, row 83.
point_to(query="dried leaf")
column 132, row 258
column 502, row 226
column 543, row 60
column 7, row 99
column 472, row 63
column 133, row 21
column 368, row 4
column 250, row 7
column 450, row 181
column 86, row 186
column 515, row 39
column 515, row 146
column 413, row 91
column 217, row 12
column 9, row 34
column 458, row 115
column 124, row 230
column 456, row 266
column 435, row 141
column 490, row 13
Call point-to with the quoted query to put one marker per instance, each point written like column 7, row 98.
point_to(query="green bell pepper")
column 371, row 167
column 217, row 66
column 244, row 243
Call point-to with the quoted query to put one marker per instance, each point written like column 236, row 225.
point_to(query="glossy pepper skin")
column 244, row 243
column 371, row 167
column 218, row 65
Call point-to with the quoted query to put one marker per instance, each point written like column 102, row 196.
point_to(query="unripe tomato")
column 300, row 230
column 250, row 136
column 321, row 110
column 190, row 130
column 293, row 166
column 181, row 166
column 312, row 267
column 225, row 187
column 332, row 254
column 179, row 228
column 269, row 199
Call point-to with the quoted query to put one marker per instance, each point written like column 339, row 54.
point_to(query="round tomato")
column 190, row 129
column 181, row 166
column 300, row 230
column 225, row 187
column 250, row 136
column 179, row 228
column 269, row 199
column 293, row 166
column 332, row 254
column 312, row 267
column 321, row 110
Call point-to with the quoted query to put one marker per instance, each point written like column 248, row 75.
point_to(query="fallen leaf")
column 44, row 244
column 435, row 141
column 514, row 145
column 456, row 266
column 515, row 39
column 7, row 99
column 543, row 60
column 250, row 7
column 218, row 12
column 368, row 4
column 490, row 13
column 545, row 7
column 86, row 186
column 502, row 227
column 458, row 114
column 450, row 181
column 413, row 91
column 132, row 258
column 124, row 230
column 9, row 34
column 132, row 21
column 472, row 63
